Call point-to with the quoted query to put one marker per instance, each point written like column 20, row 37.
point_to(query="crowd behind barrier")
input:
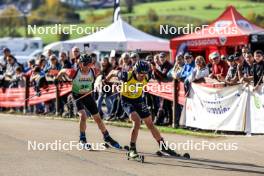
column 33, row 88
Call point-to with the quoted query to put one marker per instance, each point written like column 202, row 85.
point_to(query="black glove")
column 56, row 81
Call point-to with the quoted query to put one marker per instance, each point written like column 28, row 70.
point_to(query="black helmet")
column 141, row 67
column 85, row 58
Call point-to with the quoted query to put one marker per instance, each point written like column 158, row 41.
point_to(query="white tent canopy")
column 118, row 36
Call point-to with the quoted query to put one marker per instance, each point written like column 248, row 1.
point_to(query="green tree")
column 53, row 11
column 10, row 20
column 152, row 15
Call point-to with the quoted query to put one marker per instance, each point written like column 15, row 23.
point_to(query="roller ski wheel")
column 85, row 146
column 186, row 155
column 135, row 157
column 162, row 153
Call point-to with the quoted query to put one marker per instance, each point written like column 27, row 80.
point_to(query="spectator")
column 53, row 67
column 188, row 66
column 134, row 57
column 165, row 67
column 49, row 53
column 75, row 57
column 245, row 50
column 7, row 53
column 243, row 68
column 106, row 69
column 114, row 63
column 199, row 73
column 41, row 62
column 258, row 68
column 248, row 77
column 10, row 69
column 96, row 64
column 64, row 61
column 231, row 77
column 178, row 66
column 18, row 79
column 31, row 65
column 164, row 114
column 125, row 62
column 219, row 67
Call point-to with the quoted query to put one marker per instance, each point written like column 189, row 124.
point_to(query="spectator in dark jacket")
column 231, row 77
column 258, row 68
column 64, row 61
column 243, row 68
column 161, row 74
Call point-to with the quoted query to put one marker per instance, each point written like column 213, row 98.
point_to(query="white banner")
column 255, row 111
column 216, row 108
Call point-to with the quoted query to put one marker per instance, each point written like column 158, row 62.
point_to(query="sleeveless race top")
column 83, row 83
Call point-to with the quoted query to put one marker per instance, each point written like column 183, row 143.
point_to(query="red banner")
column 15, row 97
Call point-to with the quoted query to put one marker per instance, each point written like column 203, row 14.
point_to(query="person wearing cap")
column 243, row 68
column 219, row 67
column 161, row 74
column 165, row 67
column 258, row 69
column 188, row 66
column 231, row 77
column 83, row 79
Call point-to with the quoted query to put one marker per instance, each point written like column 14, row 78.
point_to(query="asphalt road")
column 17, row 160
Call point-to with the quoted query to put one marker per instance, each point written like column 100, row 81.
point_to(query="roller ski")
column 170, row 153
column 111, row 143
column 133, row 155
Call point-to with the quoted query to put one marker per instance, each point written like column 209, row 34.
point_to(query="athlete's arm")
column 66, row 72
column 113, row 73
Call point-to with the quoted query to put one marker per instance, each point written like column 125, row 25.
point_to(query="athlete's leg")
column 99, row 122
column 101, row 126
column 136, row 125
column 154, row 131
column 156, row 134
column 83, row 116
